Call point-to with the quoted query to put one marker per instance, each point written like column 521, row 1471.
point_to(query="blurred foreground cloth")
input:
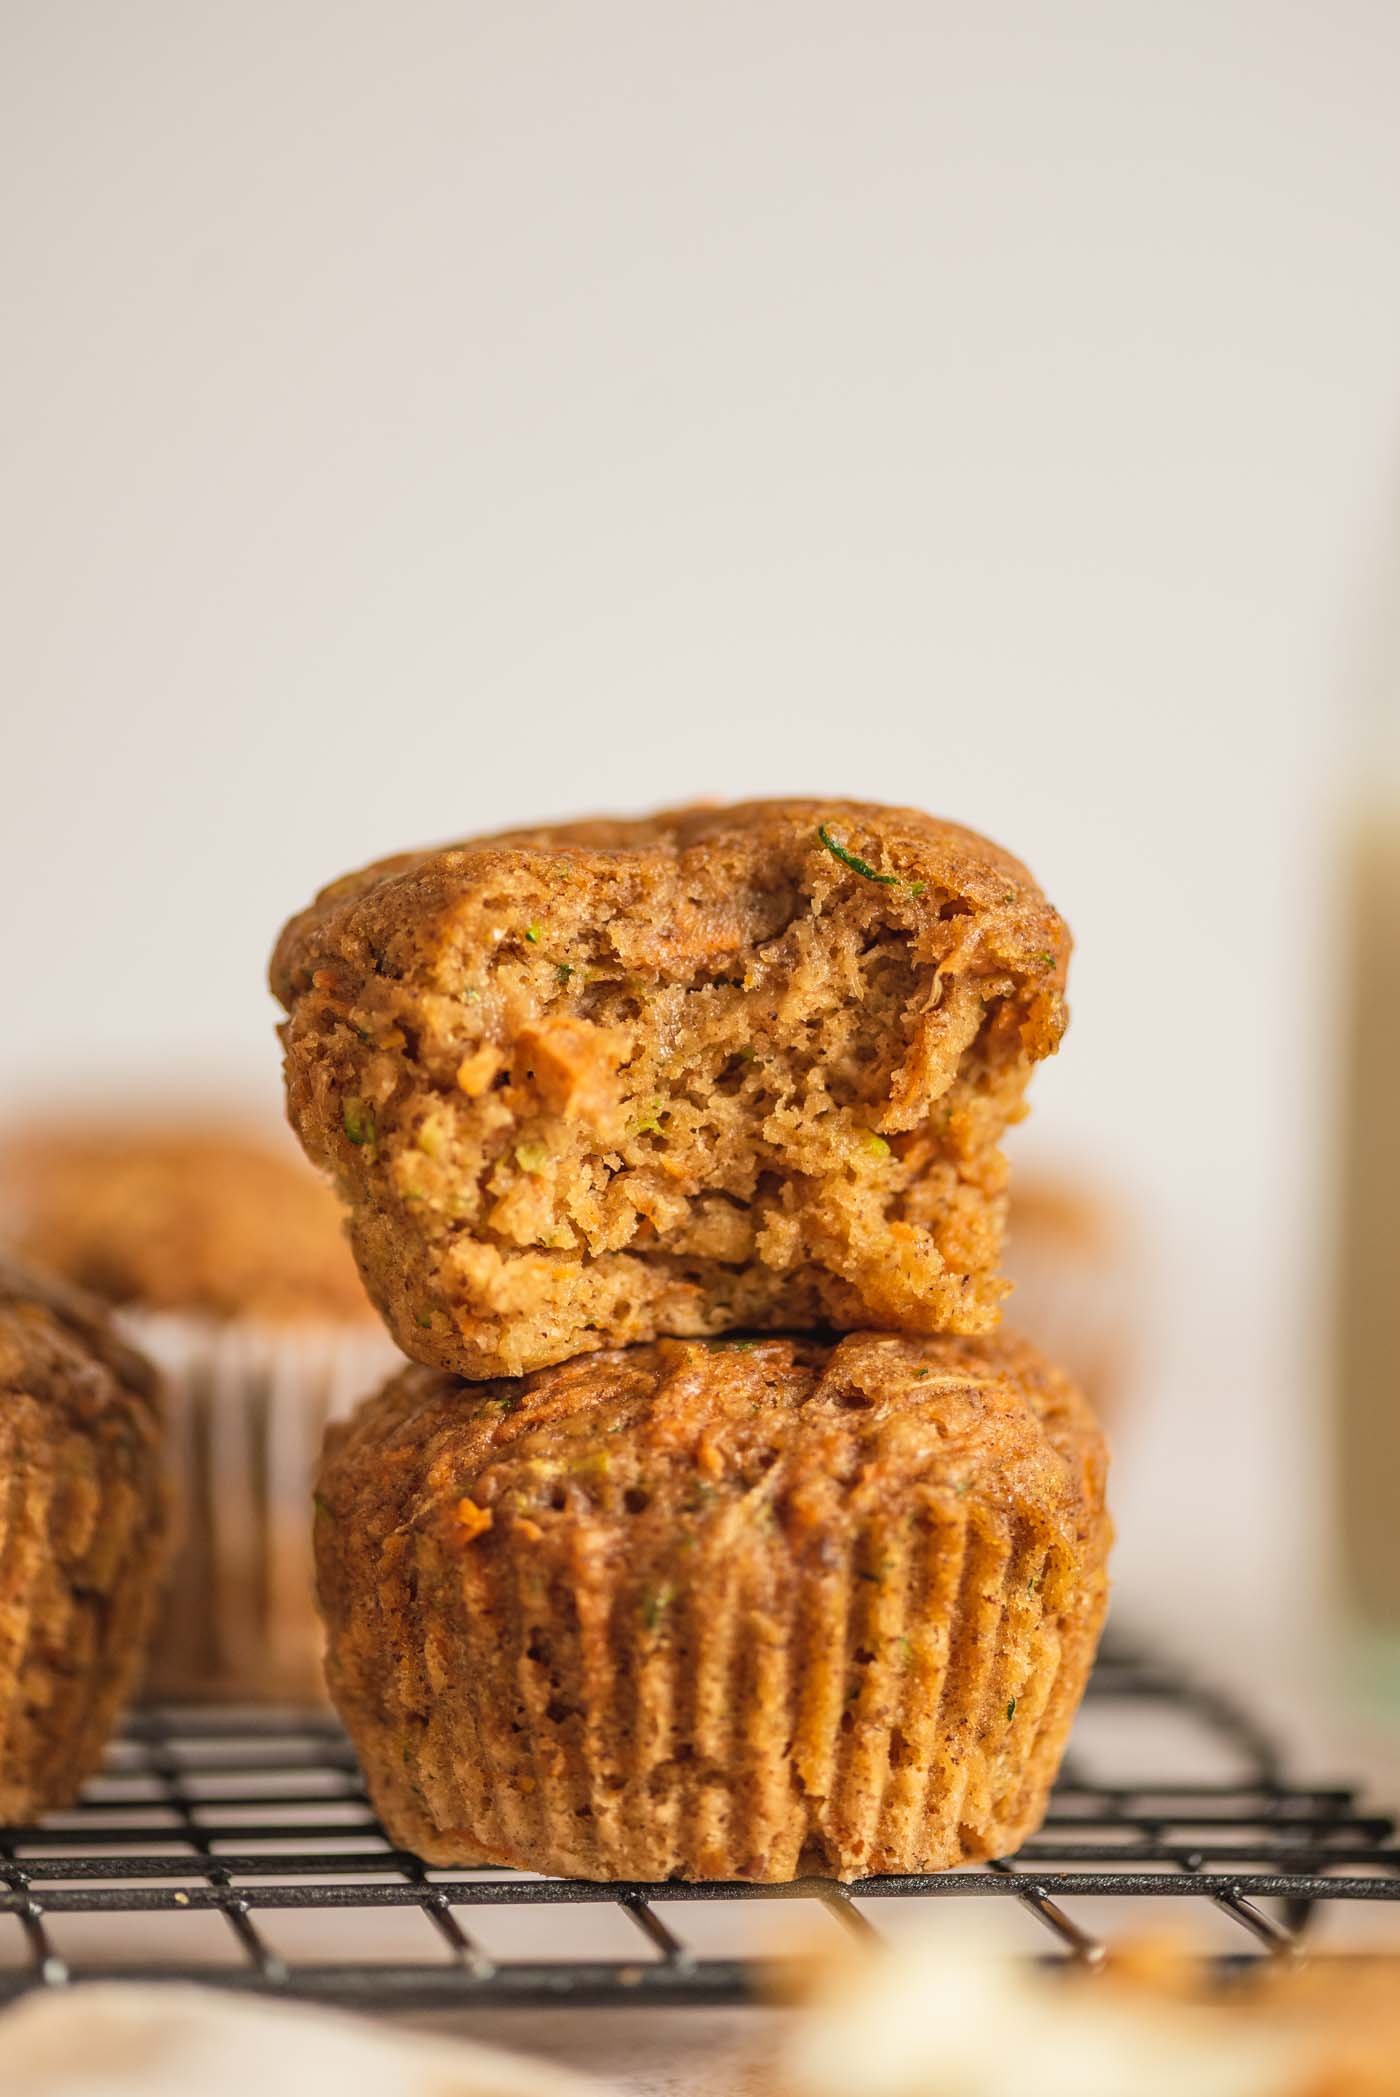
column 109, row 2039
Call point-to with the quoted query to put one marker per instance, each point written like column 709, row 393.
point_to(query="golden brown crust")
column 204, row 1218
column 84, row 1523
column 723, row 1067
column 734, row 1610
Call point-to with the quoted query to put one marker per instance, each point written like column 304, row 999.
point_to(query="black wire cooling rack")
column 238, row 1847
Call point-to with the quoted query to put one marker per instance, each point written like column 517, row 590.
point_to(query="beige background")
column 423, row 416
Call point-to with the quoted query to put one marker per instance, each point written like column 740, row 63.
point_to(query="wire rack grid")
column 239, row 1848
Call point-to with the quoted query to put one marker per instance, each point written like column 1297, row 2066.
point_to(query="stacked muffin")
column 614, row 1584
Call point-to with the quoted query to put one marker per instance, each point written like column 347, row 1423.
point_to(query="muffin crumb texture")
column 724, row 1068
column 741, row 1609
column 83, row 1537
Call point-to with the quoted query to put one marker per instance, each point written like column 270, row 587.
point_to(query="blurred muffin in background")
column 224, row 1260
column 180, row 1217
column 1072, row 1258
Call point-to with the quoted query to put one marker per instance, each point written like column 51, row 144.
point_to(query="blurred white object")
column 919, row 2021
column 104, row 2041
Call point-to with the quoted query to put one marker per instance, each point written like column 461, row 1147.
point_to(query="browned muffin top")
column 692, row 879
column 164, row 1216
column 661, row 1440
column 723, row 1068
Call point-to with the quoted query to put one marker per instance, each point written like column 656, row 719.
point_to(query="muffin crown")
column 801, row 1433
column 697, row 875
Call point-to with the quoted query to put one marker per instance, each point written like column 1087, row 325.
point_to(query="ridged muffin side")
column 84, row 1530
column 739, row 1610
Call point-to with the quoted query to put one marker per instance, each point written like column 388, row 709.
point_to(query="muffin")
column 741, row 1610
column 225, row 1261
column 83, row 1536
column 206, row 1219
column 723, row 1068
column 1072, row 1259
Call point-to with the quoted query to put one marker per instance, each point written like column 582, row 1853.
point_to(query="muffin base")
column 895, row 1698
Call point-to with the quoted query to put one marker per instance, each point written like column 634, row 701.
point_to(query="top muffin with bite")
column 721, row 1068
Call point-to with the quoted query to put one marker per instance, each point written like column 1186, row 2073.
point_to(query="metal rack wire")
column 238, row 1847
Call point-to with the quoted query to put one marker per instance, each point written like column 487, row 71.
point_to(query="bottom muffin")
column 738, row 1610
column 83, row 1536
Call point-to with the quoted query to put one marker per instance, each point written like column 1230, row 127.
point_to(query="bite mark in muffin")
column 740, row 1067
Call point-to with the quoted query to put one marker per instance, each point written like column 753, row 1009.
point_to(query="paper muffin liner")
column 247, row 1407
column 898, row 1701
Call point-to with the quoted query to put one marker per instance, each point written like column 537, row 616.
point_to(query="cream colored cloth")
column 109, row 2040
